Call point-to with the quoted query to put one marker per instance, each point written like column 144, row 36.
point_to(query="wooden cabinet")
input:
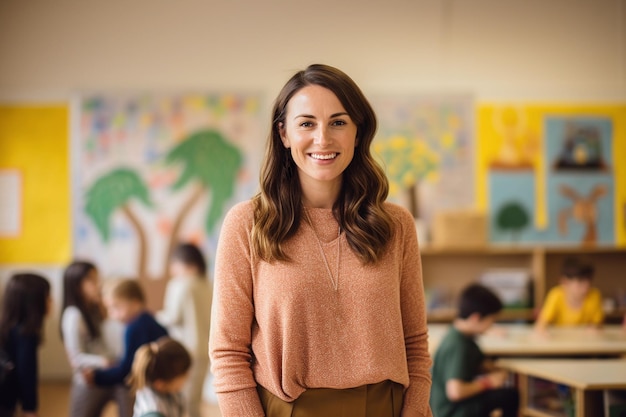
column 447, row 271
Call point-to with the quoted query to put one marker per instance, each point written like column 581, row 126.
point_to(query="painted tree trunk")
column 178, row 223
column 413, row 197
column 143, row 244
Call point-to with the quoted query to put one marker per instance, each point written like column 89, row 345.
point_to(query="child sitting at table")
column 465, row 383
column 574, row 302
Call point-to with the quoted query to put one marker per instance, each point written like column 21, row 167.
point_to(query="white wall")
column 571, row 50
column 497, row 49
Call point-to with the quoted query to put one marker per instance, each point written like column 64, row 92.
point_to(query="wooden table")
column 514, row 340
column 581, row 375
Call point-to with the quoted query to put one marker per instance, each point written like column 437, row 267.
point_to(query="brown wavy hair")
column 359, row 208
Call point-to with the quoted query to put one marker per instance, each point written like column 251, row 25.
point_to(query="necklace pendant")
column 333, row 280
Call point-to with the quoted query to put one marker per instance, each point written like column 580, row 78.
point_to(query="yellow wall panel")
column 34, row 141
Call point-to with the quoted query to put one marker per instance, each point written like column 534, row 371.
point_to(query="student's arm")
column 457, row 389
column 117, row 374
column 175, row 299
column 74, row 333
column 26, row 367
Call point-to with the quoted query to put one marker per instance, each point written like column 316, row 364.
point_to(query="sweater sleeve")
column 117, row 374
column 74, row 334
column 231, row 320
column 26, row 366
column 413, row 305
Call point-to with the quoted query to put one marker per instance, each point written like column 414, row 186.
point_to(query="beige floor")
column 54, row 399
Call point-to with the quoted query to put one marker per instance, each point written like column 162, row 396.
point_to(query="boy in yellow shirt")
column 574, row 302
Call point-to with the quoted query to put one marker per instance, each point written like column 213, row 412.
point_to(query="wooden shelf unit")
column 450, row 269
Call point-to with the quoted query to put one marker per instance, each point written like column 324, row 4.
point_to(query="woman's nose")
column 322, row 138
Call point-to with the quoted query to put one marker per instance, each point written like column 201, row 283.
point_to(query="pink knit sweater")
column 283, row 325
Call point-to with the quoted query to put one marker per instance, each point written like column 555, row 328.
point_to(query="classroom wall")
column 557, row 51
column 534, row 49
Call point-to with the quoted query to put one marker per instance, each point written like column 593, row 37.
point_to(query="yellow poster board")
column 512, row 134
column 34, row 148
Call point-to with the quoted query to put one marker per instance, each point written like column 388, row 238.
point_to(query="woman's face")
column 321, row 136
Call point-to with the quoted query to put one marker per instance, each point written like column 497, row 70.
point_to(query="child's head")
column 81, row 289
column 25, row 303
column 81, row 284
column 162, row 365
column 576, row 278
column 187, row 259
column 124, row 300
column 478, row 306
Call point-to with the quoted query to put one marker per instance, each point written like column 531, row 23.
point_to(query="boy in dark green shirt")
column 465, row 384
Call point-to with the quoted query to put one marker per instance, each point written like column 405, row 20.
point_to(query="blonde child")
column 160, row 370
column 125, row 302
column 83, row 334
column 574, row 302
column 187, row 315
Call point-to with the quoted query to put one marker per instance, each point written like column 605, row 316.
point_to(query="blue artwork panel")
column 580, row 183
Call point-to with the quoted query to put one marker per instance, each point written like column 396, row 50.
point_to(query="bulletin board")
column 426, row 146
column 34, row 156
column 553, row 174
column 154, row 170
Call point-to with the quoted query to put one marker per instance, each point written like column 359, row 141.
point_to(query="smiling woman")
column 319, row 301
column 322, row 137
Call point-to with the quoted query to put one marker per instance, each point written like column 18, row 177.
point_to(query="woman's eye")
column 306, row 124
column 339, row 123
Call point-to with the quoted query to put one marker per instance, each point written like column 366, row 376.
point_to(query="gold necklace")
column 319, row 243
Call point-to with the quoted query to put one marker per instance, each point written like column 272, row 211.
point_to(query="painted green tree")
column 114, row 191
column 407, row 162
column 208, row 163
column 211, row 164
column 512, row 216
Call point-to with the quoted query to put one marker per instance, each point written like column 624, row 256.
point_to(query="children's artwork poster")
column 155, row 170
column 426, row 145
column 552, row 175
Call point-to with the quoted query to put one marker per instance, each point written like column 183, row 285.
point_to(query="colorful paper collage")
column 153, row 170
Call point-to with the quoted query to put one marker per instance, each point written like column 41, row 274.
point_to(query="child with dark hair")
column 82, row 328
column 126, row 302
column 187, row 315
column 465, row 383
column 574, row 302
column 160, row 370
column 25, row 304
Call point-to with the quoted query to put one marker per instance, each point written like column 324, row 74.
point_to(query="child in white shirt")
column 187, row 315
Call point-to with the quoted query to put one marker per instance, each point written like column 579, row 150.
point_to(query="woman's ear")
column 283, row 136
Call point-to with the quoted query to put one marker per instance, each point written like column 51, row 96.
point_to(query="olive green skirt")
column 375, row 400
